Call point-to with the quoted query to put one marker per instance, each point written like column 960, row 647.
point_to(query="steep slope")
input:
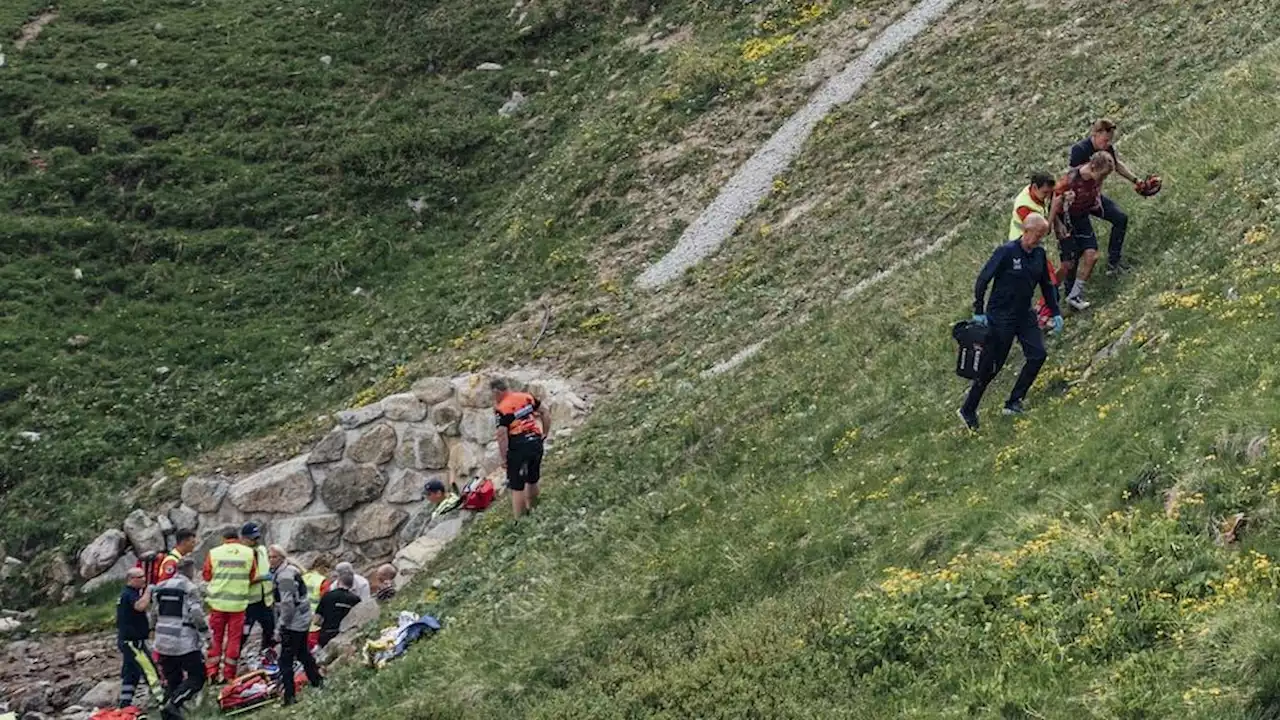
column 812, row 535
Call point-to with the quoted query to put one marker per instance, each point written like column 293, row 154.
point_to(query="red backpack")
column 478, row 494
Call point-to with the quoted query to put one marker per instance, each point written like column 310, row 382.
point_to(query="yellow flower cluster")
column 757, row 49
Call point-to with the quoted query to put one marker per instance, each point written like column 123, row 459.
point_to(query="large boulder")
column 204, row 495
column 330, row 448
column 364, row 614
column 373, row 445
column 184, row 518
column 407, row 485
column 405, row 407
column 283, row 488
column 446, row 417
column 419, row 553
column 374, row 522
column 348, row 485
column 467, row 461
column 432, row 390
column 305, row 534
column 423, row 449
column 478, row 426
column 114, row 575
column 211, row 540
column 144, row 533
column 416, row 524
column 473, row 391
column 98, row 556
column 58, row 572
column 566, row 409
column 377, row 551
column 354, row 418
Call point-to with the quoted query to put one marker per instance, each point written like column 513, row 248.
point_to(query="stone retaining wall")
column 358, row 493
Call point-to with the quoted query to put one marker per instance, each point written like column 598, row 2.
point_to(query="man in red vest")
column 523, row 426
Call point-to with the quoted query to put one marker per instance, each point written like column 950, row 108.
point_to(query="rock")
column 143, row 532
column 33, row 698
column 114, row 574
column 432, row 390
column 8, row 625
column 282, row 488
column 68, row 594
column 58, row 572
column 98, row 556
column 416, row 524
column 446, row 417
column 30, row 436
column 349, row 485
column 419, row 553
column 489, row 66
column 10, row 567
column 473, row 391
column 478, row 426
column 492, row 459
column 67, row 691
column 513, row 105
column 364, row 614
column 326, row 60
column 373, row 522
column 85, row 655
column 467, row 461
column 329, row 449
column 375, row 445
column 77, row 341
column 18, row 650
column 423, row 449
column 104, row 694
column 407, row 485
column 405, row 407
column 376, row 551
column 354, row 418
column 204, row 495
column 304, row 534
column 184, row 518
column 166, row 525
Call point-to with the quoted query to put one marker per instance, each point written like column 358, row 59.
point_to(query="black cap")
column 434, row 486
column 251, row 531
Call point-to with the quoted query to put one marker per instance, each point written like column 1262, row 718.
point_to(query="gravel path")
column 753, row 180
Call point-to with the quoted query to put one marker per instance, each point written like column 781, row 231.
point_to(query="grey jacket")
column 292, row 605
column 179, row 616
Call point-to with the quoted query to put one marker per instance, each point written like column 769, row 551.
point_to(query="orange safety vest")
column 516, row 411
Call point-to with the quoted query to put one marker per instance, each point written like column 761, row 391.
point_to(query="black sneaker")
column 970, row 420
column 1014, row 408
column 1119, row 268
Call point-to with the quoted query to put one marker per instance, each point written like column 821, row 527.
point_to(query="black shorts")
column 1082, row 238
column 524, row 462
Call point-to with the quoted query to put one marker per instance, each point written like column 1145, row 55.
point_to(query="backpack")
column 478, row 494
column 972, row 339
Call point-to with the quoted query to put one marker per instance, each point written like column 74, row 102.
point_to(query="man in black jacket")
column 1014, row 271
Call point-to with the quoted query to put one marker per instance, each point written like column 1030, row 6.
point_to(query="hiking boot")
column 1119, row 268
column 1078, row 303
column 970, row 420
column 1013, row 407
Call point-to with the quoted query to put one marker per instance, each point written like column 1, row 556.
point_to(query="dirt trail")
column 752, row 182
column 32, row 30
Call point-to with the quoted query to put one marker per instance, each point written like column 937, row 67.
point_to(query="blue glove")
column 980, row 319
column 1057, row 324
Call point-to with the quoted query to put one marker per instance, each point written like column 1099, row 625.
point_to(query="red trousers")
column 225, row 627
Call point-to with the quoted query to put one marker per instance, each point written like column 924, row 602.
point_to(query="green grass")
column 94, row 612
column 226, row 195
column 814, row 536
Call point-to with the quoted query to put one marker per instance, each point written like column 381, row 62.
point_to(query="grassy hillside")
column 814, row 535
column 240, row 210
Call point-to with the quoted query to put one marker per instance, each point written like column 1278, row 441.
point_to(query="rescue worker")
column 1014, row 271
column 261, row 592
column 180, row 626
column 317, row 578
column 523, row 426
column 1078, row 194
column 1101, row 138
column 442, row 501
column 230, row 569
column 335, row 605
column 1034, row 198
column 133, row 627
column 184, row 544
column 295, row 621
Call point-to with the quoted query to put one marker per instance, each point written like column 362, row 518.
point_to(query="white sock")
column 1077, row 290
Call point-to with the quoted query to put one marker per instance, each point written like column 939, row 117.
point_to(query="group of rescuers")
column 1067, row 206
column 249, row 583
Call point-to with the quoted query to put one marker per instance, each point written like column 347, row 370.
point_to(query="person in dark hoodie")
column 1014, row 272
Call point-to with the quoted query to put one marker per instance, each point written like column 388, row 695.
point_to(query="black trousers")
column 1003, row 332
column 266, row 617
column 1112, row 213
column 293, row 647
column 184, row 676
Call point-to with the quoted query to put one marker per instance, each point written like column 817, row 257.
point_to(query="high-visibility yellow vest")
column 264, row 589
column 313, row 581
column 229, row 589
column 1024, row 200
